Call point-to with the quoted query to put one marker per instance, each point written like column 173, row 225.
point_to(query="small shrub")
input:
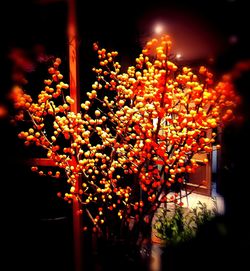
column 181, row 224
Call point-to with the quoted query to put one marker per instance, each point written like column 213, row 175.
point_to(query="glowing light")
column 178, row 55
column 158, row 29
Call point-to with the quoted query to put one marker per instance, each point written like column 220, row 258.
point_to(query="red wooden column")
column 73, row 56
column 74, row 93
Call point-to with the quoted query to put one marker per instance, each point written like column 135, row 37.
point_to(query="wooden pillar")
column 73, row 56
column 74, row 93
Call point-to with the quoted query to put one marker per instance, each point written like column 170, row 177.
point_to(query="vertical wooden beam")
column 73, row 56
column 74, row 93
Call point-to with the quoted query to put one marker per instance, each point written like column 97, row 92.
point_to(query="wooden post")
column 73, row 56
column 74, row 93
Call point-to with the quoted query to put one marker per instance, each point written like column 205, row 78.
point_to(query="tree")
column 135, row 138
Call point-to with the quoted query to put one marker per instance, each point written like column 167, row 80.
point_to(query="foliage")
column 135, row 136
column 181, row 224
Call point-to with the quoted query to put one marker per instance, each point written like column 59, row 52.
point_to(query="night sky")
column 205, row 32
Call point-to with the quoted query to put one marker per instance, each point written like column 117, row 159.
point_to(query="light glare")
column 158, row 28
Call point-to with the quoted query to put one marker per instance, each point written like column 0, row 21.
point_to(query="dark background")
column 213, row 32
column 37, row 226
